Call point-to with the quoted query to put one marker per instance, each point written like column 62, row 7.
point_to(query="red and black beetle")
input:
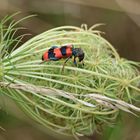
column 56, row 53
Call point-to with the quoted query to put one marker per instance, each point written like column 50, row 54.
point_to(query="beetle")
column 56, row 53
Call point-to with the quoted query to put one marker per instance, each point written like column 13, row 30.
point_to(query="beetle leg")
column 65, row 63
column 74, row 61
column 83, row 63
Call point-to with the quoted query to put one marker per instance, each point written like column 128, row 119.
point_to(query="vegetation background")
column 122, row 19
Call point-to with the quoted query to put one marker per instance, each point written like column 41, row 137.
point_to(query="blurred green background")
column 122, row 19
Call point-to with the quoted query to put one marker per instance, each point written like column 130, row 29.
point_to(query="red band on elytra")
column 68, row 51
column 45, row 56
column 58, row 53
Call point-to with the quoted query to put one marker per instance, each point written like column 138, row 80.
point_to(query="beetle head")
column 78, row 52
